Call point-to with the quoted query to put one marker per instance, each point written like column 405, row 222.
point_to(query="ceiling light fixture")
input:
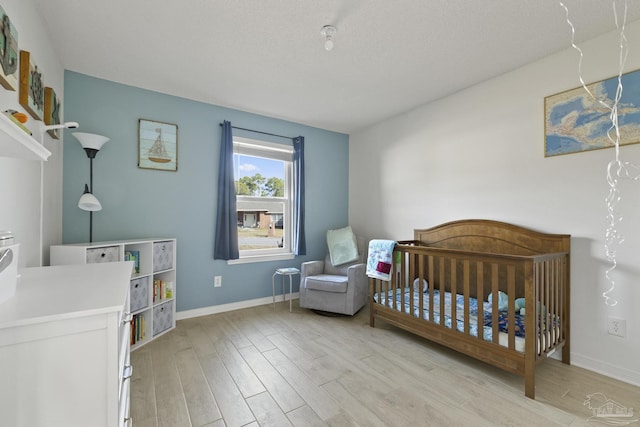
column 328, row 31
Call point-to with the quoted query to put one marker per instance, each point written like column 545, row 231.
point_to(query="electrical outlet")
column 217, row 282
column 617, row 327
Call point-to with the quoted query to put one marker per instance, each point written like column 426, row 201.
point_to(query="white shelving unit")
column 16, row 143
column 152, row 284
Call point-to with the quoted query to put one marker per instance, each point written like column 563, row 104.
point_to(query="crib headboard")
column 488, row 236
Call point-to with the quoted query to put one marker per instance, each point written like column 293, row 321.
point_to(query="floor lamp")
column 91, row 143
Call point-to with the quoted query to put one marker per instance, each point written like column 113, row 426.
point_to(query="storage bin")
column 162, row 256
column 139, row 293
column 105, row 254
column 162, row 317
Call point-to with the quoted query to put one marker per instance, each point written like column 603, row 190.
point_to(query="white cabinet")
column 152, row 285
column 64, row 347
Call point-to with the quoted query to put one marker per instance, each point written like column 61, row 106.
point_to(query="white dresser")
column 64, row 347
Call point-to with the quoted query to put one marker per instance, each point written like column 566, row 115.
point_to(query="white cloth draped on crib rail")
column 380, row 259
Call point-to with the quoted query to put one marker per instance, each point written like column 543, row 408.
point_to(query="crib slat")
column 494, row 304
column 538, row 309
column 511, row 290
column 554, row 317
column 430, row 290
column 423, row 276
column 561, row 313
column 480, row 298
column 546, row 307
column 466, row 284
column 559, row 300
column 413, row 286
column 394, row 285
column 536, row 313
column 412, row 265
column 442, row 290
column 553, row 309
column 386, row 285
column 454, row 291
column 530, row 351
column 559, row 287
column 372, row 292
column 431, row 286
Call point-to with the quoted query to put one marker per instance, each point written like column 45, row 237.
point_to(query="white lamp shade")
column 89, row 202
column 90, row 140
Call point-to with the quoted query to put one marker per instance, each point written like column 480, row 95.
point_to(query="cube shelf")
column 152, row 285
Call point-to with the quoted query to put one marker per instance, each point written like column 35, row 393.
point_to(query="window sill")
column 261, row 258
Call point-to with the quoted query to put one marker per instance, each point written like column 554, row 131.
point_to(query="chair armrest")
column 357, row 270
column 311, row 268
column 357, row 275
column 358, row 288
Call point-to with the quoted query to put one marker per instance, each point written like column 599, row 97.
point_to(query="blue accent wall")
column 141, row 203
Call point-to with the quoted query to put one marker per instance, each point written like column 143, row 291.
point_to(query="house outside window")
column 263, row 173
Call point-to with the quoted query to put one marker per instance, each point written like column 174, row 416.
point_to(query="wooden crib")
column 443, row 278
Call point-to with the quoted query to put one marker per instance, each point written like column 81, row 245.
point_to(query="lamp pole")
column 91, row 190
column 91, row 153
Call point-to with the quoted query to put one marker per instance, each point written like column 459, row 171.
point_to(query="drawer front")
column 139, row 293
column 106, row 254
column 162, row 256
column 162, row 317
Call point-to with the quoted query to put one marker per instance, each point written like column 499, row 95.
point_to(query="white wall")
column 20, row 179
column 480, row 154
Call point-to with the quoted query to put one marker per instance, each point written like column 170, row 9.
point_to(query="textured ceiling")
column 267, row 56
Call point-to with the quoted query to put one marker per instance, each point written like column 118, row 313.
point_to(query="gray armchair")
column 337, row 289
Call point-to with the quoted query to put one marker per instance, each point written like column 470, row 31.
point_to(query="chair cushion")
column 327, row 283
column 343, row 247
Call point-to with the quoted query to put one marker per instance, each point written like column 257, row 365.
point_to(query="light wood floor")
column 266, row 367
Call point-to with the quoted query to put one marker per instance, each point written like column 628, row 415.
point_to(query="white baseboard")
column 205, row 311
column 604, row 368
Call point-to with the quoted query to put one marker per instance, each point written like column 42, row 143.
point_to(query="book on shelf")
column 138, row 328
column 135, row 257
column 132, row 335
column 162, row 290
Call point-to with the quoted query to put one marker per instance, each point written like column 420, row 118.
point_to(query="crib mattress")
column 487, row 330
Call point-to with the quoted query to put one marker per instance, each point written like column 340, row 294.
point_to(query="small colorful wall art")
column 575, row 122
column 31, row 95
column 157, row 145
column 52, row 111
column 8, row 53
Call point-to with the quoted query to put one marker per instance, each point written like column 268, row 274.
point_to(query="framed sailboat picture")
column 157, row 145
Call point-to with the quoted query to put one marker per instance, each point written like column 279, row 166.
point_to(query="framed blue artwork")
column 575, row 122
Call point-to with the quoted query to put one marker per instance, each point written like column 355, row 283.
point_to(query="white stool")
column 283, row 272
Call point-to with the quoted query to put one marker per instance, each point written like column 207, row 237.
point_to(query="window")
column 263, row 175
